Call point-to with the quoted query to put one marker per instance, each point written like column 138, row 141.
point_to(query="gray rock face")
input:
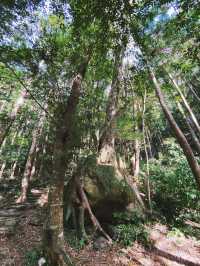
column 100, row 243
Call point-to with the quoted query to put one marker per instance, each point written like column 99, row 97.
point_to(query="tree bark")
column 3, row 166
column 106, row 149
column 149, row 143
column 4, row 130
column 53, row 229
column 186, row 104
column 107, row 139
column 178, row 133
column 92, row 216
column 30, row 160
column 192, row 132
column 194, row 93
column 135, row 160
column 146, row 153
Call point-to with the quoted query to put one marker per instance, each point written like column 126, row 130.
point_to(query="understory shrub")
column 130, row 227
column 173, row 188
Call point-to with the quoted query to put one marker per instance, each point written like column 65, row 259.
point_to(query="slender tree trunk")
column 147, row 176
column 179, row 135
column 43, row 168
column 36, row 161
column 2, row 106
column 186, row 104
column 146, row 153
column 16, row 134
column 4, row 130
column 3, row 166
column 14, row 166
column 149, row 142
column 135, row 160
column 192, row 132
column 30, row 160
column 194, row 93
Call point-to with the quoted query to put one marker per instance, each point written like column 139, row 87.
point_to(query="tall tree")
column 192, row 161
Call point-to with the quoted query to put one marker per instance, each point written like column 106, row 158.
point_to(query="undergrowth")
column 174, row 192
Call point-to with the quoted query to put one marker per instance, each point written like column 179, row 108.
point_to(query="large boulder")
column 106, row 189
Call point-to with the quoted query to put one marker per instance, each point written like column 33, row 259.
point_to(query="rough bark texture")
column 107, row 155
column 53, row 228
column 179, row 135
column 106, row 143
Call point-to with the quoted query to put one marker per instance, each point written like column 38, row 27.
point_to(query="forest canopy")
column 99, row 128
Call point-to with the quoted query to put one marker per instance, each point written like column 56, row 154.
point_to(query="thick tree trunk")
column 4, row 130
column 53, row 228
column 178, row 133
column 30, row 160
column 107, row 153
column 106, row 144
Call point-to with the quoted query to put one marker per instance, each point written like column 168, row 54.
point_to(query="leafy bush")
column 174, row 191
column 130, row 227
column 134, row 217
column 128, row 233
column 75, row 242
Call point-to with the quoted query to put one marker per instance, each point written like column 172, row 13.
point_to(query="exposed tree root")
column 92, row 216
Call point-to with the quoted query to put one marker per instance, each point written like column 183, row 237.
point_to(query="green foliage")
column 135, row 217
column 128, row 233
column 125, row 129
column 32, row 257
column 73, row 240
column 174, row 190
column 46, row 50
column 175, row 232
column 130, row 227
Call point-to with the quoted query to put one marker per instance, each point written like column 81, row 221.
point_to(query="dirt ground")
column 21, row 231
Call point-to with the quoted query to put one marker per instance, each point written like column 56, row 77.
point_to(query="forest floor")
column 21, row 231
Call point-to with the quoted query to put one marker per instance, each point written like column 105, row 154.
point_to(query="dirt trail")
column 21, row 231
column 167, row 250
